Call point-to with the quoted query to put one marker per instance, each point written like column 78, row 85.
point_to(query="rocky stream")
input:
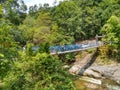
column 93, row 76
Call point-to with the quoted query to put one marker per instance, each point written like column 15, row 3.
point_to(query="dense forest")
column 44, row 26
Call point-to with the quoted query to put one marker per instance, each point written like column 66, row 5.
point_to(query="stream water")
column 105, row 85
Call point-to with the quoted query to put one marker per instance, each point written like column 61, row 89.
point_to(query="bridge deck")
column 89, row 46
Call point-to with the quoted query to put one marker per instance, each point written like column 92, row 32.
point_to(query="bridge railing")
column 55, row 49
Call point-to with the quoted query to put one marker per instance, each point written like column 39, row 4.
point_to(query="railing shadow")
column 88, row 64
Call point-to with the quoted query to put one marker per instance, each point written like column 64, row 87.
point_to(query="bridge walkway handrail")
column 73, row 47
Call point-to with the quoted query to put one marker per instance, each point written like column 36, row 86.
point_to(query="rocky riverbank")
column 111, row 72
column 88, row 67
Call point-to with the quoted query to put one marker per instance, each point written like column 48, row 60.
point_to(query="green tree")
column 33, row 10
column 8, row 48
column 0, row 11
column 24, row 32
column 112, row 34
column 90, row 17
column 65, row 15
column 14, row 10
column 109, row 8
column 41, row 71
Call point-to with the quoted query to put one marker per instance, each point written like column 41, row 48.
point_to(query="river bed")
column 106, row 84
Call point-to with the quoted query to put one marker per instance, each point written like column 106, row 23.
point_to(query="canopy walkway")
column 73, row 48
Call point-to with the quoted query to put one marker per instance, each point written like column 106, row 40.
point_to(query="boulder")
column 91, row 73
column 108, row 71
column 75, row 69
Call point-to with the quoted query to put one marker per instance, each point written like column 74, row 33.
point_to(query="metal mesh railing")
column 58, row 49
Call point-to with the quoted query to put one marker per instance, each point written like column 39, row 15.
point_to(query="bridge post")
column 96, row 38
column 96, row 41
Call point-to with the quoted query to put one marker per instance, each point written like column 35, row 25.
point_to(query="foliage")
column 0, row 11
column 66, row 15
column 41, row 71
column 8, row 48
column 112, row 31
column 45, row 26
column 7, row 43
column 68, row 58
column 14, row 10
column 24, row 32
column 107, row 51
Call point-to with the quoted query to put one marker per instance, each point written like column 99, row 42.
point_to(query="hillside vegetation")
column 44, row 26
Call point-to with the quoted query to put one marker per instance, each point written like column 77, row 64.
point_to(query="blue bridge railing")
column 70, row 48
column 55, row 49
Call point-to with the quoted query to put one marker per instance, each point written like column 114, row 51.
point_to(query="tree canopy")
column 23, row 27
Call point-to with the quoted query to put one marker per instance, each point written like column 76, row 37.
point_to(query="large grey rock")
column 83, row 67
column 74, row 70
column 109, row 71
column 78, row 66
column 116, row 75
column 91, row 73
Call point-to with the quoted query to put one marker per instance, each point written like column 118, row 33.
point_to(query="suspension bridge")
column 73, row 48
